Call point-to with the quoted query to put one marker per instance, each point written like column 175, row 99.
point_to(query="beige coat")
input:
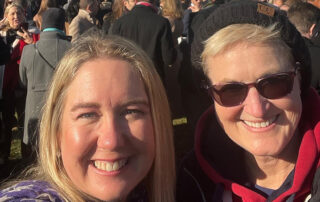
column 80, row 24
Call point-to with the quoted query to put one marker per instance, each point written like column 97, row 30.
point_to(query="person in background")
column 14, row 34
column 85, row 18
column 288, row 3
column 37, row 66
column 71, row 12
column 259, row 140
column 45, row 4
column 119, row 8
column 151, row 32
column 172, row 10
column 305, row 16
column 110, row 141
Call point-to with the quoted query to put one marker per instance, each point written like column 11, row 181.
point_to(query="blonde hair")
column 161, row 178
column 226, row 38
column 6, row 12
column 172, row 8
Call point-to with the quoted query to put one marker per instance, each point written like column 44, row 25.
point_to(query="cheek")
column 291, row 105
column 75, row 143
column 144, row 133
column 227, row 115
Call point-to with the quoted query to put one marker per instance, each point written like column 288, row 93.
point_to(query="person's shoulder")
column 28, row 50
column 75, row 20
column 30, row 190
column 192, row 183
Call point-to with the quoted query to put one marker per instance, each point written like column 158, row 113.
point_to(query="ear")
column 311, row 30
column 125, row 3
column 88, row 8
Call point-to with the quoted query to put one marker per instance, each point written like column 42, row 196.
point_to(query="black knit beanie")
column 53, row 18
column 258, row 13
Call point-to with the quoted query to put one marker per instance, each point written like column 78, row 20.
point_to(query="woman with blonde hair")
column 105, row 132
column 15, row 35
column 172, row 10
column 119, row 8
column 259, row 140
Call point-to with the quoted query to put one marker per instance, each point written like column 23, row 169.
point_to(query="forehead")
column 14, row 9
column 108, row 76
column 247, row 62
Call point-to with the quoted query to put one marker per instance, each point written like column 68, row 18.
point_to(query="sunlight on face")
column 259, row 125
column 107, row 138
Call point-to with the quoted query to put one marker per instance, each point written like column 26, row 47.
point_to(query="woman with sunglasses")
column 260, row 139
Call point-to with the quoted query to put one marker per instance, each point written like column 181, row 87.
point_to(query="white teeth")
column 110, row 166
column 260, row 124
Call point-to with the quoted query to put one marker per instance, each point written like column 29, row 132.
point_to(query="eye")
column 88, row 115
column 131, row 112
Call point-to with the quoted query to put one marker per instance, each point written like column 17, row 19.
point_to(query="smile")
column 110, row 166
column 260, row 124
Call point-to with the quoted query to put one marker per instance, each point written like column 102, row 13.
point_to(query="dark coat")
column 152, row 32
column 315, row 63
column 36, row 74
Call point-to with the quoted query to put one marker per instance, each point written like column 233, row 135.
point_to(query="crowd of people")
column 97, row 90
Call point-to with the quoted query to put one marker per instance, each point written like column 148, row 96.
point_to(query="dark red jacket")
column 11, row 72
column 211, row 172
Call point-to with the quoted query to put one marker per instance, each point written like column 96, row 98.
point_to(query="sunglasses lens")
column 273, row 87
column 276, row 86
column 230, row 94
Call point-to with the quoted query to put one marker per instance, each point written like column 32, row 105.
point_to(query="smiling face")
column 263, row 127
column 106, row 135
column 15, row 17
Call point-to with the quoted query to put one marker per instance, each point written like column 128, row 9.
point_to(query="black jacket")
column 315, row 63
column 152, row 32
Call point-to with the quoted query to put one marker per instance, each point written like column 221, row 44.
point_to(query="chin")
column 111, row 196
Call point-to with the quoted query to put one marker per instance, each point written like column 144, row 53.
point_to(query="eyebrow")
column 96, row 105
column 138, row 101
column 85, row 105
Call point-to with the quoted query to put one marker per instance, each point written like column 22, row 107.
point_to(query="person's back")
column 151, row 31
column 37, row 67
column 85, row 19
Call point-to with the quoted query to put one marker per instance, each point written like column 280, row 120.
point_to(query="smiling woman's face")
column 263, row 127
column 106, row 135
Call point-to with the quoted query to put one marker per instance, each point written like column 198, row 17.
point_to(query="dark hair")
column 303, row 16
column 72, row 10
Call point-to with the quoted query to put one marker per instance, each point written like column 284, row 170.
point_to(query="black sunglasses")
column 271, row 87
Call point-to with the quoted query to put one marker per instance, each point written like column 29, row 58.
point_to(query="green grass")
column 15, row 151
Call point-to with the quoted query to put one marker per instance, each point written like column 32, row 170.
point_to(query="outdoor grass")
column 15, row 151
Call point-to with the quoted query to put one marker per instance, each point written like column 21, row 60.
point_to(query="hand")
column 25, row 35
column 195, row 6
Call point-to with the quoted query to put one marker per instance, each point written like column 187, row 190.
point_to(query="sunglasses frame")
column 215, row 90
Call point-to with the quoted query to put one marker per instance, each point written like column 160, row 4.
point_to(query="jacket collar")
column 84, row 14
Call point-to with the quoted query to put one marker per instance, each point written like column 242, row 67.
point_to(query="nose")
column 110, row 134
column 255, row 104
